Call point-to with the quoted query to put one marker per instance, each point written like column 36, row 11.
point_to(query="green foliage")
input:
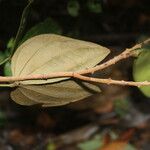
column 47, row 26
column 7, row 69
column 97, row 142
column 73, row 8
column 92, row 144
column 141, row 69
column 59, row 54
column 130, row 147
column 9, row 47
column 10, row 44
column 94, row 6
column 51, row 146
column 6, row 54
column 2, row 56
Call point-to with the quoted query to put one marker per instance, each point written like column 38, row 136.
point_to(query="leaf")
column 141, row 70
column 54, row 94
column 73, row 7
column 2, row 56
column 92, row 144
column 7, row 69
column 115, row 145
column 48, row 53
column 121, row 143
column 47, row 26
column 20, row 98
column 53, row 53
column 51, row 146
column 10, row 44
column 130, row 147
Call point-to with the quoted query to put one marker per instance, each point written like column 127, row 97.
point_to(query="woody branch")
column 132, row 52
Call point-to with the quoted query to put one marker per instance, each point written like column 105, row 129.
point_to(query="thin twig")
column 36, row 77
column 74, row 75
column 5, row 60
column 6, row 85
column 111, row 81
column 132, row 52
column 20, row 31
column 22, row 25
column 127, row 53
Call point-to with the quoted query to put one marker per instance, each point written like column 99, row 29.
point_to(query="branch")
column 21, row 26
column 132, row 52
column 5, row 60
column 73, row 75
column 126, row 54
column 20, row 30
column 110, row 81
column 6, row 85
column 36, row 77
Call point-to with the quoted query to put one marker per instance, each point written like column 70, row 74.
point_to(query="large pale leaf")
column 20, row 98
column 53, row 94
column 48, row 53
column 141, row 70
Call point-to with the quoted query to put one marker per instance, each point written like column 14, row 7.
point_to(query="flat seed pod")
column 54, row 94
column 48, row 53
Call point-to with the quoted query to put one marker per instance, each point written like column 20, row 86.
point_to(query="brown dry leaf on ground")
column 118, row 144
column 115, row 145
